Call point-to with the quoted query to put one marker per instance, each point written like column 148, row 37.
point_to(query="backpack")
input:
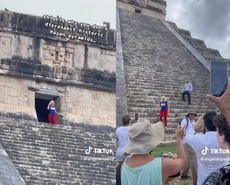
column 187, row 123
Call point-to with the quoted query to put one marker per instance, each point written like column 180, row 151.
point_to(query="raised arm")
column 199, row 123
column 48, row 107
column 173, row 166
column 223, row 102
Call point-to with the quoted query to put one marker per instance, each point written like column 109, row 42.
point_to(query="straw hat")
column 191, row 113
column 143, row 137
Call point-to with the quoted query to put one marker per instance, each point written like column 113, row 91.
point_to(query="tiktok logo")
column 88, row 150
column 204, row 152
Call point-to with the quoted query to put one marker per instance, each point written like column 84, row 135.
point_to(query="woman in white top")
column 122, row 137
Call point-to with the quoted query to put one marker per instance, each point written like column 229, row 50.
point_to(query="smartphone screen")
column 219, row 77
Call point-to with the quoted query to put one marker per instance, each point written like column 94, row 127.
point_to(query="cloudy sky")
column 87, row 11
column 208, row 20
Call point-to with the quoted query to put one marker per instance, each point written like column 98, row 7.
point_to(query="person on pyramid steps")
column 52, row 111
column 164, row 105
column 187, row 91
column 191, row 159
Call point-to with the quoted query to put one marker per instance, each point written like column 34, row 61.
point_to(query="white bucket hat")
column 143, row 137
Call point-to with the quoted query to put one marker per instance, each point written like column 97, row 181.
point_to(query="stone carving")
column 58, row 54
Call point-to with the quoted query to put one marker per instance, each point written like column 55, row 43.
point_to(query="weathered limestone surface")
column 8, row 173
column 32, row 57
column 40, row 62
column 121, row 99
column 153, row 8
column 156, row 63
column 31, row 51
column 78, row 104
column 55, row 155
column 208, row 53
column 55, row 53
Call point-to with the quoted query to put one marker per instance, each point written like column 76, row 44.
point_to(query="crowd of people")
column 207, row 155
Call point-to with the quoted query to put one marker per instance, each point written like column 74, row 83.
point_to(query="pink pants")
column 52, row 119
column 163, row 112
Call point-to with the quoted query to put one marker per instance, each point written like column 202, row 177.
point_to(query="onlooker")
column 223, row 102
column 191, row 160
column 122, row 137
column 52, row 112
column 222, row 123
column 143, row 169
column 187, row 91
column 164, row 109
column 202, row 145
column 222, row 176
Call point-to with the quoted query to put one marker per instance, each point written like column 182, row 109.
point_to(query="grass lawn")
column 162, row 149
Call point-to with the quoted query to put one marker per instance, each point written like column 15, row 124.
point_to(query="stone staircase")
column 53, row 155
column 156, row 63
column 208, row 53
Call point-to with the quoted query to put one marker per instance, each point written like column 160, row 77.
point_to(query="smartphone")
column 218, row 78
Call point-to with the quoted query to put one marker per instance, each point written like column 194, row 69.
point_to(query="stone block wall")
column 15, row 97
column 152, row 8
column 51, row 53
column 78, row 104
column 33, row 57
column 55, row 155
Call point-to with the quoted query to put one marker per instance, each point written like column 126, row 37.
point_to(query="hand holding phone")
column 218, row 78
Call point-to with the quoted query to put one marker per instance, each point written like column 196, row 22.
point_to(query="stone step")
column 147, row 79
column 174, row 104
column 161, row 79
column 151, row 89
column 157, row 98
column 44, row 153
column 156, row 66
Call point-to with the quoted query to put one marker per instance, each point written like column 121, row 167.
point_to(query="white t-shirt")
column 207, row 163
column 190, row 124
column 123, row 139
column 122, row 135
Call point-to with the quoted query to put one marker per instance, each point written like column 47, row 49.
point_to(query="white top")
column 198, row 143
column 123, row 139
column 122, row 135
column 190, row 124
column 188, row 87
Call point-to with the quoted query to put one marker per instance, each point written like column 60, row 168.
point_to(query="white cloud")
column 206, row 20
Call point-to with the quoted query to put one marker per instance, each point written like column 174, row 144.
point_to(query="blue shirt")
column 188, row 87
column 163, row 105
column 148, row 174
column 52, row 110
